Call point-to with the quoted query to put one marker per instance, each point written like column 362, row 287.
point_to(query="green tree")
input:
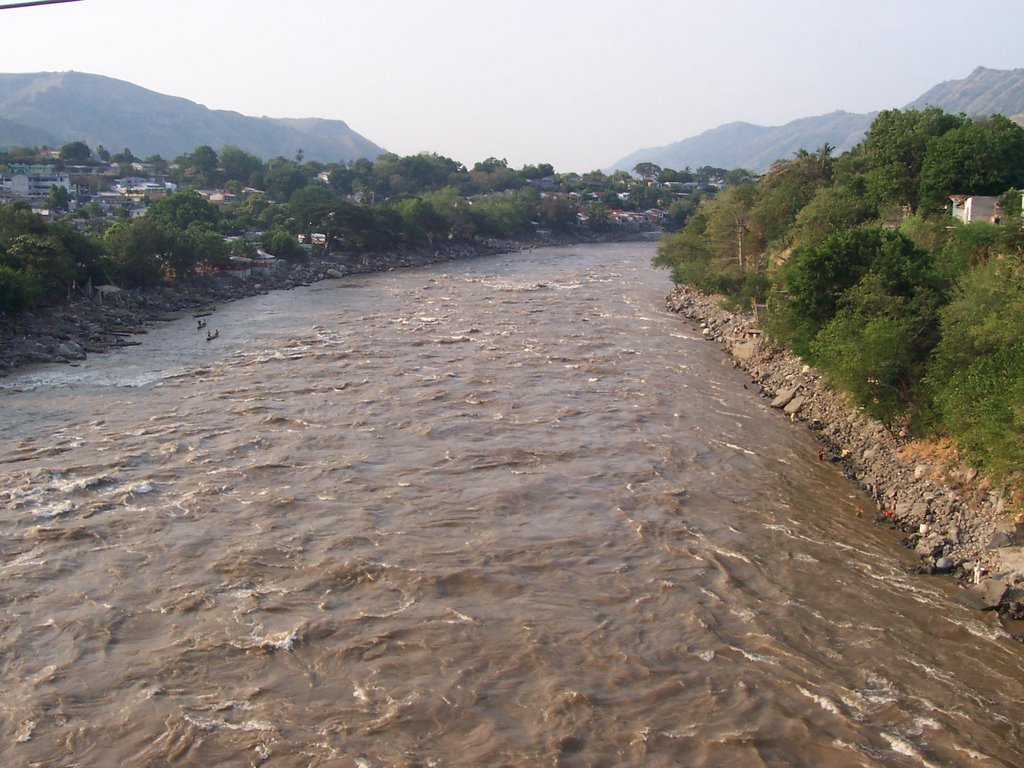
column 158, row 164
column 455, row 210
column 197, row 244
column 540, row 171
column 396, row 176
column 647, row 171
column 492, row 175
column 982, row 406
column 876, row 346
column 254, row 211
column 135, row 252
column 985, row 157
column 124, row 157
column 310, row 204
column 984, row 314
column 240, row 165
column 86, row 251
column 420, row 221
column 283, row 178
column 782, row 194
column 832, row 209
column 975, row 372
column 815, row 277
column 59, row 198
column 895, row 148
column 558, row 214
column 504, row 214
column 689, row 256
column 729, row 220
column 283, row 245
column 18, row 219
column 199, row 168
column 47, row 266
column 76, row 153
column 14, row 293
column 179, row 210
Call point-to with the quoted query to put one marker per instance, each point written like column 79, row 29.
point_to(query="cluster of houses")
column 22, row 181
column 32, row 184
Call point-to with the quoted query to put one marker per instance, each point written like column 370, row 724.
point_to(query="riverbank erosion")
column 108, row 319
column 952, row 519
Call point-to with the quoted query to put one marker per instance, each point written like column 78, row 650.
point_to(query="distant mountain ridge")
column 55, row 108
column 983, row 92
column 754, row 147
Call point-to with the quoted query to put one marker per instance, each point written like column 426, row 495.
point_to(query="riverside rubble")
column 85, row 325
column 951, row 520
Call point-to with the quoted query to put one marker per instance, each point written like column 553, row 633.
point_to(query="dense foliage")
column 415, row 201
column 865, row 273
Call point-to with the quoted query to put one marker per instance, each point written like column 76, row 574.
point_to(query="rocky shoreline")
column 950, row 518
column 85, row 325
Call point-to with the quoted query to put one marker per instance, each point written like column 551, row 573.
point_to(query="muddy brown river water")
column 500, row 512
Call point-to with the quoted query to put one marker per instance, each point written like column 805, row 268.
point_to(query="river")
column 503, row 512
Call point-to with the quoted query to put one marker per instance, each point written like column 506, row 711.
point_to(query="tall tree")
column 200, row 167
column 647, row 171
column 985, row 157
column 180, row 210
column 76, row 153
column 895, row 148
column 240, row 165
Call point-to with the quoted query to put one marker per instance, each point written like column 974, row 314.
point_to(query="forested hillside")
column 865, row 273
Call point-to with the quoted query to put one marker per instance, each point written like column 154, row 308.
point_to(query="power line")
column 27, row 3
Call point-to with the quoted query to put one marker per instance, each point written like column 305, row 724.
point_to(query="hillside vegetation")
column 917, row 316
column 289, row 208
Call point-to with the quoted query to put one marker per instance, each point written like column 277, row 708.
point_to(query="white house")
column 970, row 208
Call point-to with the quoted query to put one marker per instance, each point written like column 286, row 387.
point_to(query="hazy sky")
column 573, row 83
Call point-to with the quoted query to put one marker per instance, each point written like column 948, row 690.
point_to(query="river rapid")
column 502, row 512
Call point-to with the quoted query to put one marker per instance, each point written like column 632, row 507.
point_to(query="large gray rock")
column 1000, row 538
column 794, row 405
column 987, row 596
column 71, row 350
column 929, row 546
column 785, row 396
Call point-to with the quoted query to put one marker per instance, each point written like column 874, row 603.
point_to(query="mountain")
column 983, row 92
column 55, row 108
column 754, row 147
column 19, row 135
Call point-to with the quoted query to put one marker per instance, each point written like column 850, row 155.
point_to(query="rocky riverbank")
column 944, row 512
column 85, row 325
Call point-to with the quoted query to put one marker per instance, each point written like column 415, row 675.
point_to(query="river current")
column 499, row 512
